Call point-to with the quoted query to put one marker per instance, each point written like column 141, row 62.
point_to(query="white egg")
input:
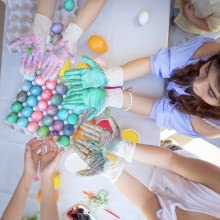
column 143, row 17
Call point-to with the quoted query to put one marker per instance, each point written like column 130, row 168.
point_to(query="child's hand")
column 188, row 9
column 32, row 156
column 50, row 158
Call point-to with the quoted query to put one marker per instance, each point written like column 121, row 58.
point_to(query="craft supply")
column 46, row 94
column 61, row 89
column 143, row 18
column 43, row 131
column 39, row 80
column 104, row 123
column 52, row 110
column 68, row 129
column 26, row 86
column 62, row 114
column 130, row 135
column 37, row 116
column 47, row 120
column 33, row 126
column 97, row 44
column 36, row 90
column 51, row 84
column 42, row 105
column 69, row 5
column 57, row 28
column 56, row 99
column 12, row 117
column 27, row 111
column 22, row 122
column 16, row 107
column 31, row 101
column 21, row 96
column 64, row 140
column 58, row 125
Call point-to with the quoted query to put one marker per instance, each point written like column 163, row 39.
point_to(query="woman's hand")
column 51, row 155
column 32, row 156
column 188, row 9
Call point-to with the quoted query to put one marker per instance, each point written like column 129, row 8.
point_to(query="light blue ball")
column 26, row 86
column 36, row 90
column 48, row 120
column 22, row 122
column 61, row 89
column 62, row 114
column 27, row 111
column 30, row 77
column 32, row 101
column 68, row 130
column 69, row 5
column 56, row 99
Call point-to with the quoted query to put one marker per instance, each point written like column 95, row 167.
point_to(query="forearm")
column 48, row 206
column 16, row 205
column 88, row 14
column 46, row 8
column 140, row 104
column 199, row 23
column 136, row 68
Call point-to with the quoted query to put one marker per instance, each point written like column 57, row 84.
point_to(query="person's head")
column 204, row 81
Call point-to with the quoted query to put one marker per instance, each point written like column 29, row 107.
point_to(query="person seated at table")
column 198, row 16
column 192, row 105
column 34, row 43
column 181, row 187
column 46, row 155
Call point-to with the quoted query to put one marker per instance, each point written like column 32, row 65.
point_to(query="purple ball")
column 58, row 125
column 54, row 133
column 52, row 110
column 61, row 89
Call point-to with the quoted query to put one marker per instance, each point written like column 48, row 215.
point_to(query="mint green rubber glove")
column 88, row 99
column 84, row 78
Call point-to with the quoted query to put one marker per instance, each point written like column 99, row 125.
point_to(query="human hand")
column 188, row 9
column 84, row 78
column 32, row 156
column 51, row 155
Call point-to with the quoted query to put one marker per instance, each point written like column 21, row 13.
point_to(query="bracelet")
column 131, row 98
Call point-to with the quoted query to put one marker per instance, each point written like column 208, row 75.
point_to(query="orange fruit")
column 97, row 44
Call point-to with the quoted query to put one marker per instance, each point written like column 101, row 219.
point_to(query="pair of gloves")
column 104, row 151
column 85, row 88
column 33, row 48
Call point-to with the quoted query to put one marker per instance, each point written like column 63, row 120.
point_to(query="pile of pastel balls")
column 38, row 108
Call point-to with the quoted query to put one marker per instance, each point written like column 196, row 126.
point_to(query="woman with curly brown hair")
column 192, row 106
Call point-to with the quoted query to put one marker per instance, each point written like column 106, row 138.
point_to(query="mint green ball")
column 43, row 131
column 69, row 5
column 16, row 107
column 12, row 117
column 73, row 119
column 64, row 140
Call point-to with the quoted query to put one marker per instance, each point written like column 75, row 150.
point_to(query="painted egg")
column 56, row 99
column 104, row 123
column 12, row 117
column 22, row 122
column 42, row 105
column 36, row 90
column 21, row 96
column 26, row 86
column 33, row 126
column 64, row 141
column 16, row 107
column 46, row 94
column 77, row 112
column 66, row 67
column 82, row 66
column 27, row 111
column 58, row 125
column 32, row 101
column 130, row 135
column 54, row 133
column 48, row 120
column 52, row 110
column 68, row 130
column 61, row 89
column 143, row 18
column 51, row 84
column 37, row 116
column 62, row 114
column 69, row 5
column 56, row 180
column 97, row 44
column 30, row 77
column 73, row 119
column 57, row 28
column 39, row 80
column 43, row 131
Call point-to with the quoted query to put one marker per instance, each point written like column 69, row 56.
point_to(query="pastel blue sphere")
column 62, row 114
column 22, row 122
column 47, row 120
column 26, row 86
column 61, row 89
column 68, row 130
column 36, row 90
column 27, row 111
column 30, row 77
column 32, row 101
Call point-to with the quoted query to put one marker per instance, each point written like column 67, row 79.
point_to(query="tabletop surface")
column 127, row 40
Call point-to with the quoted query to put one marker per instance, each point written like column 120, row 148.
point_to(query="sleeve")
column 214, row 21
column 166, row 60
column 167, row 116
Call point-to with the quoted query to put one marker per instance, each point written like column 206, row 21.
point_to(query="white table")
column 117, row 23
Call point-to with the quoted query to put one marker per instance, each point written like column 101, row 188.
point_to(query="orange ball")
column 97, row 44
column 56, row 195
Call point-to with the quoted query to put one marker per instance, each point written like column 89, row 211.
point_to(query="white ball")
column 143, row 18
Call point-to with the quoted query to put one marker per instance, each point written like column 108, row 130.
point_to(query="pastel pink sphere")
column 46, row 94
column 39, row 80
column 42, row 105
column 37, row 116
column 51, row 84
column 33, row 126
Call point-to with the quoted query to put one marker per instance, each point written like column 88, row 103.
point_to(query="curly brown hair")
column 194, row 105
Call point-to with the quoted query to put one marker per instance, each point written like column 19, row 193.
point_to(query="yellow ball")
column 130, row 135
column 56, row 180
column 82, row 66
column 66, row 67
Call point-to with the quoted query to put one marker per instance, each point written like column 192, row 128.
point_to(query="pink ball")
column 42, row 105
column 46, row 94
column 37, row 116
column 39, row 80
column 58, row 125
column 33, row 126
column 51, row 84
